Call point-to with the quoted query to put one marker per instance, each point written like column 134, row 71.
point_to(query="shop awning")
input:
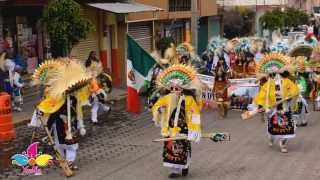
column 124, row 8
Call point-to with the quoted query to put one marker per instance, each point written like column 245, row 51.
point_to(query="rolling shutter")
column 142, row 33
column 82, row 50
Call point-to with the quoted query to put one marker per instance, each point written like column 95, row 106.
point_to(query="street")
column 122, row 148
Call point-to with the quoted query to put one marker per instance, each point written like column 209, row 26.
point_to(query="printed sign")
column 243, row 87
column 238, row 87
column 207, row 92
column 31, row 161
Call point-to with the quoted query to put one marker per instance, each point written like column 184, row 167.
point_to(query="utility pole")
column 194, row 24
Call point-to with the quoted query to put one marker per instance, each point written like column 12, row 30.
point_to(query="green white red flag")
column 139, row 70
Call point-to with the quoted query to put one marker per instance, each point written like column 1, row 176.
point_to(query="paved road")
column 121, row 149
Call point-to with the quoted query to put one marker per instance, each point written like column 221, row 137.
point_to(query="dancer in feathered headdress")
column 313, row 66
column 276, row 98
column 178, row 114
column 187, row 56
column 66, row 92
column 215, row 49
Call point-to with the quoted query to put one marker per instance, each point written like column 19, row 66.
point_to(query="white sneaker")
column 17, row 109
column 271, row 141
column 106, row 108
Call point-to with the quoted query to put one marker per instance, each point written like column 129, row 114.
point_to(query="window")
column 179, row 5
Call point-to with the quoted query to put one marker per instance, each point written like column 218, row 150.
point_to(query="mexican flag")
column 139, row 71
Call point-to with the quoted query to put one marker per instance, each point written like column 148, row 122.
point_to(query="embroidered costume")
column 313, row 67
column 178, row 114
column 278, row 88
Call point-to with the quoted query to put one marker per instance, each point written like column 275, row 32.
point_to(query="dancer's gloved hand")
column 156, row 123
column 161, row 109
column 268, row 110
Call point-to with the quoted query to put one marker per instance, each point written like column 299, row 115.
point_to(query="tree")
column 65, row 25
column 273, row 20
column 238, row 22
column 295, row 17
column 276, row 19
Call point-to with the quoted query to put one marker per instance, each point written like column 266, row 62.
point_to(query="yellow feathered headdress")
column 300, row 63
column 185, row 48
column 171, row 54
column 232, row 44
column 46, row 71
column 181, row 76
column 62, row 77
column 70, row 77
column 272, row 62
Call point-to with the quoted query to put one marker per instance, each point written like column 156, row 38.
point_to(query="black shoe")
column 185, row 172
column 304, row 124
column 174, row 175
column 96, row 124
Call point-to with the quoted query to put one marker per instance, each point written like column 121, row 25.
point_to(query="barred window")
column 179, row 5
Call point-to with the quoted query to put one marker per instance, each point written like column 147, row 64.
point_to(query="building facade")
column 21, row 34
column 175, row 21
column 306, row 5
column 112, row 20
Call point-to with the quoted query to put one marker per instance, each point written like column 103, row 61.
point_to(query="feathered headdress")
column 256, row 44
column 62, row 77
column 46, row 71
column 279, row 47
column 301, row 50
column 243, row 45
column 272, row 62
column 216, row 43
column 169, row 56
column 178, row 75
column 184, row 49
column 70, row 77
column 232, row 44
column 300, row 63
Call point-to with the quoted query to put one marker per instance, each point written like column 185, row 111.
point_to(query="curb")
column 111, row 100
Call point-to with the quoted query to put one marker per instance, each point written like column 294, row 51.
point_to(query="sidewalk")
column 23, row 117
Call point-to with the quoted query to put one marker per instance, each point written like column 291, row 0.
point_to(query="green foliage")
column 295, row 17
column 65, row 25
column 238, row 22
column 273, row 20
column 290, row 17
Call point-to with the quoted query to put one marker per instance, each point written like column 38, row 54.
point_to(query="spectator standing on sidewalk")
column 17, row 86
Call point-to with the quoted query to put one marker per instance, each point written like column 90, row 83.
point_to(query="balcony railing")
column 251, row 2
